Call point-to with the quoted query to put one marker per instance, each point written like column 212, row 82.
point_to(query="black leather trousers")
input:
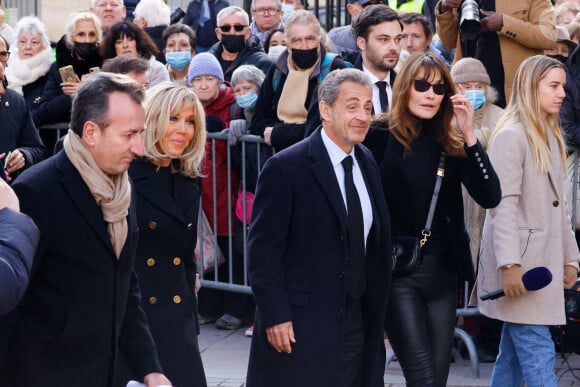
column 420, row 322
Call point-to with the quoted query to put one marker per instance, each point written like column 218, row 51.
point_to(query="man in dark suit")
column 83, row 302
column 379, row 30
column 319, row 252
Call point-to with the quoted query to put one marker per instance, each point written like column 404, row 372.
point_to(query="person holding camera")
column 501, row 34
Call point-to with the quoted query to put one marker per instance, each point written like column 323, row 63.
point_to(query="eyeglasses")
column 422, row 86
column 4, row 54
column 269, row 11
column 228, row 28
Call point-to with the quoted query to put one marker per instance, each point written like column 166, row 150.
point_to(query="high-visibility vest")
column 409, row 6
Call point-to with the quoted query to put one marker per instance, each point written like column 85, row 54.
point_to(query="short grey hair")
column 278, row 5
column 301, row 16
column 248, row 73
column 91, row 101
column 231, row 10
column 329, row 89
column 155, row 12
column 32, row 25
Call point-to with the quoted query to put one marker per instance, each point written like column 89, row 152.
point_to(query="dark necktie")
column 382, row 85
column 355, row 274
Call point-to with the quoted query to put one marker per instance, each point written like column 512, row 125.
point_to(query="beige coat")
column 528, row 29
column 485, row 120
column 530, row 227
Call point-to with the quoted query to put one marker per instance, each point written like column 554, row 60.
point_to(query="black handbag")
column 407, row 249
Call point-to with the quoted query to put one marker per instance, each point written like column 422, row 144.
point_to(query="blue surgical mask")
column 178, row 60
column 288, row 11
column 247, row 101
column 476, row 97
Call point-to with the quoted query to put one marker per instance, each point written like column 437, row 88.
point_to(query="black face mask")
column 560, row 58
column 305, row 59
column 234, row 43
column 85, row 50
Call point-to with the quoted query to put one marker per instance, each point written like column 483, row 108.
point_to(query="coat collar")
column 150, row 188
column 83, row 199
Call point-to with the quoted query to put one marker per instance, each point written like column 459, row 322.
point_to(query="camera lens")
column 469, row 24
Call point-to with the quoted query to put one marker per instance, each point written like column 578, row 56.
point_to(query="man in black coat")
column 320, row 262
column 237, row 47
column 282, row 114
column 18, row 135
column 83, row 301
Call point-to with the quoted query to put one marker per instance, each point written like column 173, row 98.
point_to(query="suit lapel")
column 324, row 173
column 83, row 200
column 555, row 156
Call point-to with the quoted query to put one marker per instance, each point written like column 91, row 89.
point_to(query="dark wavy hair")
column 404, row 126
column 146, row 48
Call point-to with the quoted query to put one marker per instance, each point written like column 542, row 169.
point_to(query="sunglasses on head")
column 228, row 28
column 422, row 86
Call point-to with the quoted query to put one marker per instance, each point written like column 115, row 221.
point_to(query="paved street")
column 225, row 357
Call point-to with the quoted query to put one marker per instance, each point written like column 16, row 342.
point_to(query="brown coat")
column 528, row 29
column 530, row 227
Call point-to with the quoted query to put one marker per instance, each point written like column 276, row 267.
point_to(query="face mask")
column 247, row 101
column 560, row 58
column 234, row 43
column 476, row 97
column 305, row 59
column 85, row 50
column 178, row 60
column 274, row 52
column 288, row 10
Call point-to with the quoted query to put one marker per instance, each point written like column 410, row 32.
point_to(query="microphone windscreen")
column 537, row 278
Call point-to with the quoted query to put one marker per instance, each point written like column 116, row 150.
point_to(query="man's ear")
column 90, row 130
column 325, row 110
column 361, row 43
column 218, row 33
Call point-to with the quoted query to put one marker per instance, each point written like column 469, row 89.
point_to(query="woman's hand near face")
column 464, row 116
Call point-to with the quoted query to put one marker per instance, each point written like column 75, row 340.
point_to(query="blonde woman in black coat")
column 167, row 185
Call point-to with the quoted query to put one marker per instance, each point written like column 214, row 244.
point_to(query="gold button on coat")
column 152, row 225
column 177, row 299
column 176, row 261
column 190, row 226
column 150, row 262
column 152, row 300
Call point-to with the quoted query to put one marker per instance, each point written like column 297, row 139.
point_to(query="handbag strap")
column 426, row 233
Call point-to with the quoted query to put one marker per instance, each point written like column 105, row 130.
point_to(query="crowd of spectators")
column 258, row 72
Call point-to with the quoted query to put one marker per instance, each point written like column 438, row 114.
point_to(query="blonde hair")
column 71, row 26
column 524, row 108
column 163, row 101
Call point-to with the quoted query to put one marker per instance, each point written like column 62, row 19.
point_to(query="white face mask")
column 288, row 10
column 274, row 52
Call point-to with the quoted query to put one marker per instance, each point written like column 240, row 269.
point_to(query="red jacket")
column 221, row 109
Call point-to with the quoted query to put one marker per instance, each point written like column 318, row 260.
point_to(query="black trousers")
column 420, row 322
column 353, row 345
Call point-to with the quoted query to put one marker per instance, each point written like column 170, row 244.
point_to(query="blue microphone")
column 533, row 279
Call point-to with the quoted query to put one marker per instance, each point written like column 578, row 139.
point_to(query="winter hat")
column 204, row 64
column 563, row 36
column 469, row 70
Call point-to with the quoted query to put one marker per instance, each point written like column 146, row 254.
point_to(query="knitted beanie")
column 469, row 70
column 204, row 64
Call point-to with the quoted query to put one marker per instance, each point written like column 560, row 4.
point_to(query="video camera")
column 469, row 20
